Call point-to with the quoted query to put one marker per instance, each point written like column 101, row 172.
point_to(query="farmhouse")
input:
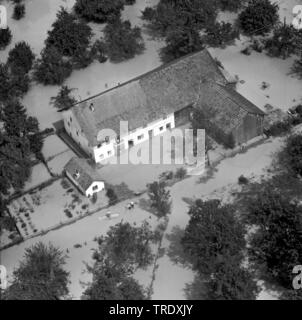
column 82, row 174
column 161, row 100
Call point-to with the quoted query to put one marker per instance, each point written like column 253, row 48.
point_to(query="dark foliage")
column 63, row 99
column 179, row 43
column 277, row 243
column 285, row 42
column 220, row 34
column 68, row 35
column 52, row 68
column 297, row 68
column 172, row 14
column 40, row 275
column 293, row 151
column 112, row 196
column 99, row 10
column 229, row 281
column 19, row 11
column 231, row 5
column 259, row 17
column 5, row 38
column 122, row 41
column 211, row 234
column 17, row 142
column 21, row 58
column 159, row 198
column 109, row 283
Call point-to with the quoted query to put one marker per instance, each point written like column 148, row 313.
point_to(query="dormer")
column 76, row 174
column 91, row 107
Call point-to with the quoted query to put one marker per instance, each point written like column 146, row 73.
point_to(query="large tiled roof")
column 87, row 174
column 155, row 94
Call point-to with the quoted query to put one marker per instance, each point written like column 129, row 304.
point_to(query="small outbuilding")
column 84, row 176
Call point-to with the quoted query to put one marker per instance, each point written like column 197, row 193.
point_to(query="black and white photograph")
column 150, row 150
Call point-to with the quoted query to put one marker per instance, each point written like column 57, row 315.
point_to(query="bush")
column 122, row 41
column 285, row 42
column 180, row 173
column 279, row 128
column 100, row 11
column 21, row 58
column 293, row 150
column 52, row 68
column 69, row 36
column 179, row 43
column 63, row 99
column 19, row 11
column 112, row 196
column 220, row 34
column 259, row 17
column 297, row 68
column 243, row 180
column 5, row 38
column 231, row 5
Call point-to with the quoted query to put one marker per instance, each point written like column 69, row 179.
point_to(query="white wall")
column 155, row 126
column 100, row 187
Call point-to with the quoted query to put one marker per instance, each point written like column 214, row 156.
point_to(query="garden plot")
column 51, row 206
column 77, row 240
column 39, row 174
column 53, row 146
column 57, row 164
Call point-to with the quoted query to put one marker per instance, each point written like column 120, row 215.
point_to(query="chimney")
column 76, row 174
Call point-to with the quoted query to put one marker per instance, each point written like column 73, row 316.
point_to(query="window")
column 68, row 123
column 109, row 153
column 99, row 145
column 95, row 188
column 161, row 128
column 101, row 156
column 77, row 133
column 140, row 137
column 70, row 119
column 168, row 125
column 107, row 139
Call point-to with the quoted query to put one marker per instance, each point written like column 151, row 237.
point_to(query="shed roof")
column 86, row 173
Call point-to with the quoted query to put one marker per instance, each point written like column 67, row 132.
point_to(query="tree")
column 286, row 41
column 229, row 281
column 126, row 246
column 19, row 11
column 173, row 14
column 276, row 244
column 259, row 17
column 122, row 41
column 63, row 100
column 179, row 43
column 212, row 234
column 40, row 275
column 112, row 196
column 159, row 198
column 109, row 283
column 21, row 58
column 17, row 140
column 297, row 67
column 293, row 151
column 68, row 35
column 5, row 82
column 5, row 38
column 220, row 34
column 100, row 11
column 231, row 5
column 52, row 68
